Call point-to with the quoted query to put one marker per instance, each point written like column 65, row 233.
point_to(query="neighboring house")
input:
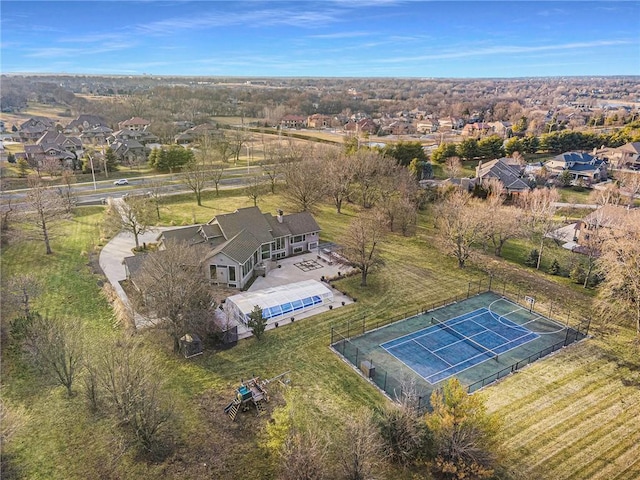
column 54, row 146
column 478, row 129
column 129, row 151
column 35, row 127
column 134, row 123
column 84, row 123
column 293, row 121
column 195, row 134
column 507, row 170
column 626, row 156
column 363, row 125
column 502, row 129
column 247, row 242
column 126, row 134
column 611, row 221
column 399, row 127
column 582, row 167
column 318, row 120
column 96, row 135
column 427, row 126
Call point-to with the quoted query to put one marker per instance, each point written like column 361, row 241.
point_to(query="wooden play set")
column 252, row 392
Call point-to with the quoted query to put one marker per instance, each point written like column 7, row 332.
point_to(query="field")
column 572, row 415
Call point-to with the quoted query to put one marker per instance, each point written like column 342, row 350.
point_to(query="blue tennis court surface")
column 443, row 349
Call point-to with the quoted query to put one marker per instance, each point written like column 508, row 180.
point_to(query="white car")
column 122, row 181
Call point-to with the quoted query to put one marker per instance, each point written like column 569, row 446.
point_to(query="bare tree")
column 453, row 167
column 304, row 457
column 361, row 244
column 630, row 185
column 540, row 207
column 610, row 194
column 134, row 215
column 132, row 383
column 7, row 212
column 217, row 171
column 46, row 208
column 459, row 226
column 69, row 198
column 19, row 293
column 619, row 294
column 173, row 284
column 154, row 194
column 255, row 189
column 197, row 172
column 305, row 186
column 55, row 346
column 369, row 168
column 237, row 139
column 272, row 165
column 397, row 196
column 339, row 174
column 361, row 450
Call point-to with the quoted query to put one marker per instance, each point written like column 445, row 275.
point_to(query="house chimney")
column 279, row 217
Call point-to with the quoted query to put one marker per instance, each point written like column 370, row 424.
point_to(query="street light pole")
column 93, row 173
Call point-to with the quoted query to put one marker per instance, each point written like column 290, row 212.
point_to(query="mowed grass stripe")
column 522, row 389
column 615, row 445
column 587, row 438
column 539, row 410
column 550, row 427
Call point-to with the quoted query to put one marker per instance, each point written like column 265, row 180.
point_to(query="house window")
column 278, row 256
column 298, row 249
column 298, row 239
column 313, row 245
column 255, row 257
column 246, row 268
column 232, row 274
column 278, row 244
column 212, row 272
column 266, row 251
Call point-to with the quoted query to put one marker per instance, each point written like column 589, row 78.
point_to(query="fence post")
column 490, row 282
column 357, row 351
column 469, row 290
column 385, row 381
column 550, row 309
column 348, row 328
column 331, row 336
column 504, row 288
column 364, row 321
column 566, row 337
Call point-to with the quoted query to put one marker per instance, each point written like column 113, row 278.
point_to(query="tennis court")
column 478, row 339
column 446, row 348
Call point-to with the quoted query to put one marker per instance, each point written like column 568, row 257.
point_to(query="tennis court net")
column 442, row 325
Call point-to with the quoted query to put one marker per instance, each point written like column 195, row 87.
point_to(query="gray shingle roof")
column 250, row 219
column 508, row 174
column 187, row 234
column 300, row 223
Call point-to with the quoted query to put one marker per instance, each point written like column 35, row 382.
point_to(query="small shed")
column 191, row 345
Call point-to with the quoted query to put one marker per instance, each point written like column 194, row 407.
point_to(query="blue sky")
column 343, row 38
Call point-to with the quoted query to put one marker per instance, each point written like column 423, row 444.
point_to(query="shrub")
column 532, row 259
column 578, row 274
column 554, row 269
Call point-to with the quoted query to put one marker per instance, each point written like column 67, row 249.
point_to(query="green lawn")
column 565, row 417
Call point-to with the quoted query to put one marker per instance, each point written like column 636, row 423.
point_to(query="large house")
column 581, row 166
column 507, row 170
column 247, row 242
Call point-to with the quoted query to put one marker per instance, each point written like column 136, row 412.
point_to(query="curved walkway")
column 111, row 262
